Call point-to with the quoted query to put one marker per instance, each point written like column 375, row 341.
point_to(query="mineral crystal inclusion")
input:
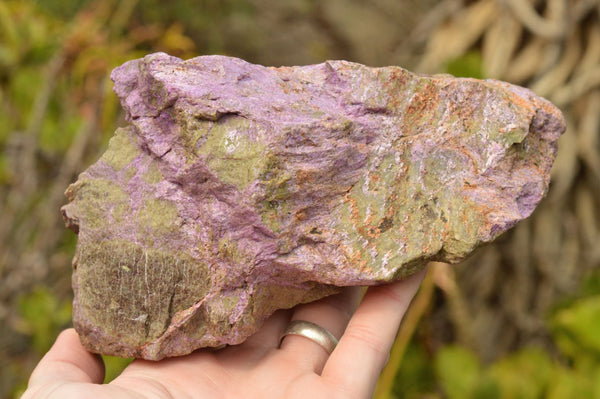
column 237, row 189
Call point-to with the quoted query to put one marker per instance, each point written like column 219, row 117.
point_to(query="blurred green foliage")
column 42, row 315
column 570, row 370
column 57, row 110
column 113, row 366
column 415, row 375
column 470, row 65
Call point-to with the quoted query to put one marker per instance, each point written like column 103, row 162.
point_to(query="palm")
column 258, row 368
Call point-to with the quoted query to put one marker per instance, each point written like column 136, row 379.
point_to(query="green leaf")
column 570, row 384
column 470, row 65
column 580, row 323
column 487, row 388
column 458, row 371
column 57, row 135
column 523, row 375
column 415, row 375
column 24, row 87
column 113, row 366
column 42, row 316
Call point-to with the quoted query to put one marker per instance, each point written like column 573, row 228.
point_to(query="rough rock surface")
column 238, row 189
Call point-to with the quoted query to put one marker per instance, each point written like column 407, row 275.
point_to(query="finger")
column 362, row 351
column 68, row 361
column 267, row 337
column 257, row 346
column 332, row 313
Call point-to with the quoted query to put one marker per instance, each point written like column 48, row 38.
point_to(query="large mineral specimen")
column 238, row 189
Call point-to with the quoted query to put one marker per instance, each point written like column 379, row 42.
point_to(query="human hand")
column 257, row 368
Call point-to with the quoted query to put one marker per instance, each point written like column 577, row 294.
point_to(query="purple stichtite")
column 237, row 189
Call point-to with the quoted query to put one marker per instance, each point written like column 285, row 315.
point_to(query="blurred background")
column 518, row 319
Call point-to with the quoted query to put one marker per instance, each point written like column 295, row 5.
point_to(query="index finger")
column 362, row 352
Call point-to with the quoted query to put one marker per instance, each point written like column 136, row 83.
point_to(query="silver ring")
column 311, row 331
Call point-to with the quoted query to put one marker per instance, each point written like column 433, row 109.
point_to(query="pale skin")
column 258, row 368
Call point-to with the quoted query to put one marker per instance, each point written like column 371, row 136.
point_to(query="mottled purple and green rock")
column 238, row 189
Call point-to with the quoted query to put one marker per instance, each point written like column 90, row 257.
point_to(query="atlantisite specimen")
column 237, row 189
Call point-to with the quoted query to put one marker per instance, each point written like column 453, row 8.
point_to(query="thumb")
column 67, row 361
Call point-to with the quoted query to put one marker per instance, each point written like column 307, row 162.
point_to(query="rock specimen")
column 238, row 189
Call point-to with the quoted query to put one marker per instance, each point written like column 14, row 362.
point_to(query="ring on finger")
column 311, row 331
